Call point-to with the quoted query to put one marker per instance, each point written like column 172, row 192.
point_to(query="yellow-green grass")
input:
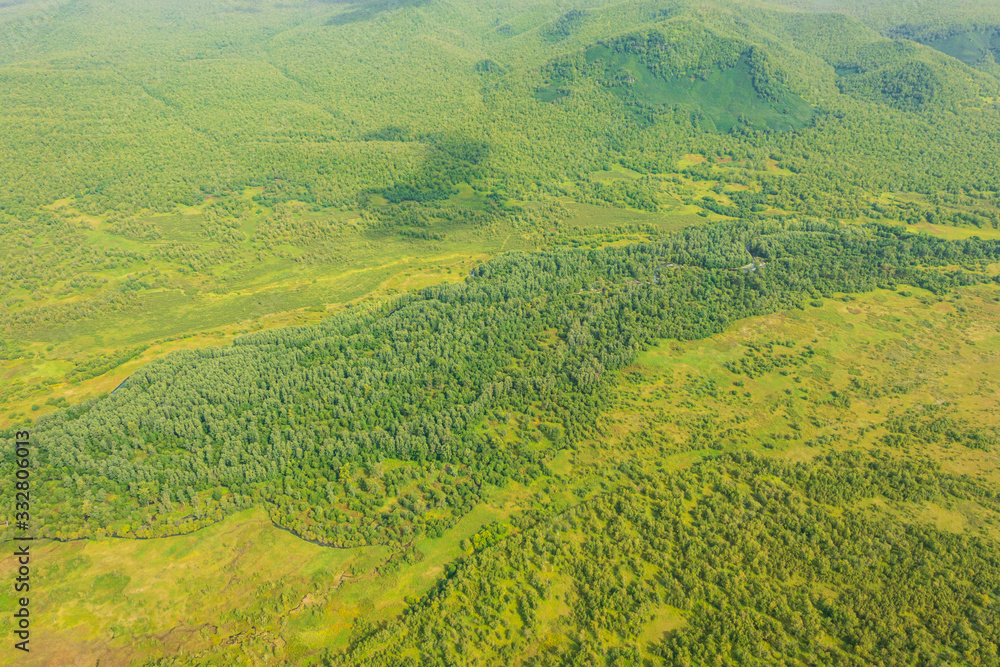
column 591, row 218
column 693, row 159
column 666, row 619
column 908, row 353
column 112, row 600
column 689, row 160
column 949, row 232
column 942, row 203
column 615, row 173
column 116, row 600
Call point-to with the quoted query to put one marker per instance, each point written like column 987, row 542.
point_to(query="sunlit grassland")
column 949, row 232
column 115, row 600
column 592, row 218
column 154, row 597
column 886, row 353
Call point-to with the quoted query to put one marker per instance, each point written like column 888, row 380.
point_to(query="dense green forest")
column 522, row 323
column 306, row 419
column 766, row 563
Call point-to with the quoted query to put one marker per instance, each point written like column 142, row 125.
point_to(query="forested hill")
column 331, row 425
column 170, row 167
column 186, row 101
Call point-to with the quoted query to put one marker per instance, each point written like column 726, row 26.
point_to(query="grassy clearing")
column 119, row 600
column 616, row 172
column 885, row 355
column 971, row 47
column 951, row 233
column 590, row 219
column 115, row 600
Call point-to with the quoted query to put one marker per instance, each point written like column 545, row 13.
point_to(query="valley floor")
column 906, row 377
